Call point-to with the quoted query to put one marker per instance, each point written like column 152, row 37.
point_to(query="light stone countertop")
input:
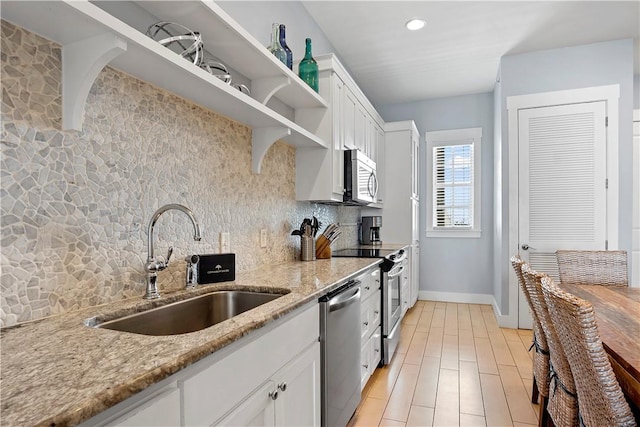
column 57, row 371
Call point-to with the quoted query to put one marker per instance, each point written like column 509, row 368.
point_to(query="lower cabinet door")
column 298, row 386
column 376, row 347
column 365, row 363
column 256, row 410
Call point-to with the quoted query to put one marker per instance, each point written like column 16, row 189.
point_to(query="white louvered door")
column 562, row 184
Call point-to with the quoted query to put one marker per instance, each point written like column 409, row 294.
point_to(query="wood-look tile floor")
column 454, row 367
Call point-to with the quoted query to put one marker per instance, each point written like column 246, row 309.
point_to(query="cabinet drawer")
column 370, row 282
column 375, row 305
column 376, row 347
column 365, row 364
column 365, row 320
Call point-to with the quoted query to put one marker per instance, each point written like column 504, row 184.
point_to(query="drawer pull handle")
column 273, row 394
column 365, row 366
column 376, row 312
column 376, row 350
column 365, row 323
column 367, row 288
column 282, row 386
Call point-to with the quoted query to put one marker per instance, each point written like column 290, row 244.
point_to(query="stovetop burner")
column 364, row 253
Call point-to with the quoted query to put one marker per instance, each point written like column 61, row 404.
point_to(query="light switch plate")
column 225, row 245
column 263, row 238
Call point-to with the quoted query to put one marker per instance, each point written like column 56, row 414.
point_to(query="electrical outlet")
column 263, row 238
column 225, row 245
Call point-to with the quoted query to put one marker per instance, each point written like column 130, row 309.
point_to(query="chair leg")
column 544, row 420
column 534, row 391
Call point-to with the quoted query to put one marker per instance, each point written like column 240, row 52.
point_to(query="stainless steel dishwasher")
column 340, row 353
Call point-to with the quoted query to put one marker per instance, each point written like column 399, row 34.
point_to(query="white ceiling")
column 459, row 50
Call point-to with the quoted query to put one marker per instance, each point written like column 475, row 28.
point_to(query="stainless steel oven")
column 392, row 271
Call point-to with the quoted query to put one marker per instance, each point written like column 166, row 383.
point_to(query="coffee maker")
column 371, row 230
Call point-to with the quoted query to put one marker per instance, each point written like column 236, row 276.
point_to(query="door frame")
column 635, row 229
column 611, row 95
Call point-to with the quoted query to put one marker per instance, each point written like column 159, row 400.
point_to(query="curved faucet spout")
column 156, row 216
column 153, row 265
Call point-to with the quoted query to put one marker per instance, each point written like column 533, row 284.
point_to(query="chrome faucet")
column 153, row 264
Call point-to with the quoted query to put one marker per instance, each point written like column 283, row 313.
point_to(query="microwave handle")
column 372, row 189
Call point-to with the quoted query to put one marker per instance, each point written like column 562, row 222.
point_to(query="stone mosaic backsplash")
column 75, row 205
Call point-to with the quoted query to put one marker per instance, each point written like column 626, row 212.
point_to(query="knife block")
column 323, row 248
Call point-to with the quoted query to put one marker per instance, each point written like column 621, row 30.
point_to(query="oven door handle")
column 344, row 299
column 395, row 271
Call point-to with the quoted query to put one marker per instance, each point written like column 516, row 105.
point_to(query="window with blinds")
column 454, row 182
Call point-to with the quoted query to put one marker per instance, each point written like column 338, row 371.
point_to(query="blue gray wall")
column 257, row 16
column 441, row 258
column 576, row 67
column 636, row 90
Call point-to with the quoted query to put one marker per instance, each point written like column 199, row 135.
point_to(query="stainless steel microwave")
column 360, row 179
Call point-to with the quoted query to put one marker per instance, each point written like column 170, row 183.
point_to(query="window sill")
column 465, row 234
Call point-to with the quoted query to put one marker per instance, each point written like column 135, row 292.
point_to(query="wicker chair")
column 562, row 403
column 541, row 377
column 593, row 267
column 599, row 394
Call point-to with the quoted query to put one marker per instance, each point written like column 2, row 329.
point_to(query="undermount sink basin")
column 190, row 315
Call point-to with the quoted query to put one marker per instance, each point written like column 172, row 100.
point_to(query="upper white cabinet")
column 350, row 123
column 92, row 37
column 400, row 181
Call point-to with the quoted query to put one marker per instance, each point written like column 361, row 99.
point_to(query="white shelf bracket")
column 82, row 61
column 261, row 140
column 263, row 89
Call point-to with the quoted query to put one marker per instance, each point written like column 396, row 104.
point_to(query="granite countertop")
column 57, row 371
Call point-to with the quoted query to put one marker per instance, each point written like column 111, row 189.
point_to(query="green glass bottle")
column 308, row 68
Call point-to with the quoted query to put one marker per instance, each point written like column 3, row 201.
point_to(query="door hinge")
column 606, row 183
column 606, row 245
column 606, row 121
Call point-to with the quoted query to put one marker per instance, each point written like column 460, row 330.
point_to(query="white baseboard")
column 504, row 321
column 456, row 297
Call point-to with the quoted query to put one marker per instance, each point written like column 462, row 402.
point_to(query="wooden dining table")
column 617, row 311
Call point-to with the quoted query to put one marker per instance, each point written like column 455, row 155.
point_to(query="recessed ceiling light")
column 415, row 24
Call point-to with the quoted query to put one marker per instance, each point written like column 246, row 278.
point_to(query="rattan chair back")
column 593, row 267
column 600, row 397
column 563, row 400
column 541, row 355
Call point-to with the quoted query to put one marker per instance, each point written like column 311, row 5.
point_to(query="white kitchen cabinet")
column 401, row 210
column 94, row 35
column 349, row 119
column 216, row 387
column 371, row 318
column 350, row 123
column 405, row 284
column 362, row 127
column 256, row 410
column 236, row 385
column 289, row 398
column 414, row 281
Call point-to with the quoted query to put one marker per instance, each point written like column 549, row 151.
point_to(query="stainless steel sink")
column 190, row 315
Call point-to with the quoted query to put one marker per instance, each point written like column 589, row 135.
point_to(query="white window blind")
column 454, row 182
column 453, row 186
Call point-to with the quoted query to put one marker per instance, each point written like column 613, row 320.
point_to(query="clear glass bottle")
column 308, row 68
column 275, row 47
column 283, row 43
